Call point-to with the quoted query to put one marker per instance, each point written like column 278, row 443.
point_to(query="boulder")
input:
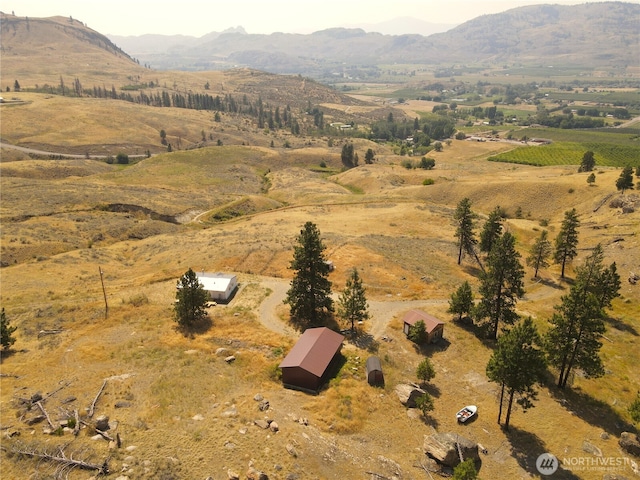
column 443, row 447
column 407, row 394
column 591, row 448
column 253, row 474
column 102, row 423
column 630, row 443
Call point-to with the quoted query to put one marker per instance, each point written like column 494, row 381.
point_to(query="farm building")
column 307, row 365
column 433, row 326
column 374, row 371
column 220, row 286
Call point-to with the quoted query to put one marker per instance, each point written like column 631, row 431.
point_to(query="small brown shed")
column 433, row 326
column 374, row 371
column 305, row 367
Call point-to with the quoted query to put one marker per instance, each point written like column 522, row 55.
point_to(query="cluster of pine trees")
column 522, row 355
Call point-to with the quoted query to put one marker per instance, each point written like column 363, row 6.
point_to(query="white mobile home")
column 219, row 286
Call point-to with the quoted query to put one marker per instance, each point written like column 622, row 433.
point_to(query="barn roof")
column 314, row 350
column 430, row 322
column 215, row 282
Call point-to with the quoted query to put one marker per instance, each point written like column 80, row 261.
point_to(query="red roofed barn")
column 433, row 326
column 306, row 366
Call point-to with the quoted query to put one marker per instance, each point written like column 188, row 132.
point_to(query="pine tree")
column 573, row 340
column 418, row 333
column 517, row 364
column 347, row 155
column 461, row 301
column 424, row 403
column 352, row 306
column 540, row 253
column 369, row 156
column 501, row 285
column 625, row 180
column 425, row 371
column 6, row 332
column 191, row 300
column 567, row 239
column 491, row 230
column 465, row 220
column 465, row 471
column 309, row 296
column 588, row 162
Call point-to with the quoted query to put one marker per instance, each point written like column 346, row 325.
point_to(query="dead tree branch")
column 42, row 333
column 59, row 457
column 95, row 400
column 46, row 415
column 56, row 391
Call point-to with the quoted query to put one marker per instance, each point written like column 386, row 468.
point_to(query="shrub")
column 418, row 332
column 428, row 181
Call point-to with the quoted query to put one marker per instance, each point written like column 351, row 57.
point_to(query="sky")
column 199, row 17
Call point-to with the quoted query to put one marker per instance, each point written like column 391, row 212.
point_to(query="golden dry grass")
column 397, row 232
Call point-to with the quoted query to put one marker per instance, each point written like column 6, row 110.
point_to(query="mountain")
column 404, row 26
column 602, row 34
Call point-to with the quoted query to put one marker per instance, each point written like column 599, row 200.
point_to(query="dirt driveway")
column 381, row 312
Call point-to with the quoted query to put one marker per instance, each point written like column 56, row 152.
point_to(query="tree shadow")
column 431, row 389
column 428, row 349
column 430, row 420
column 526, row 447
column 595, row 412
column 363, row 340
column 197, row 328
column 549, row 282
column 622, row 326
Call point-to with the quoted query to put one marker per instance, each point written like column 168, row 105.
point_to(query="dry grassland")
column 190, row 414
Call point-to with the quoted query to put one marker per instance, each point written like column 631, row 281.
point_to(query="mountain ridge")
column 602, row 34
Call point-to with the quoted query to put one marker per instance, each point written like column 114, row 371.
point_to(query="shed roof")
column 215, row 282
column 430, row 322
column 373, row 363
column 314, row 350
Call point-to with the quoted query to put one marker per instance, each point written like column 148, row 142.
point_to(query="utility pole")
column 104, row 292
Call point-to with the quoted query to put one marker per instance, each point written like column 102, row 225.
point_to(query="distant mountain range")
column 599, row 35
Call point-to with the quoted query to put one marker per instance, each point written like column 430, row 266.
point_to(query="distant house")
column 374, row 372
column 220, row 286
column 306, row 366
column 433, row 326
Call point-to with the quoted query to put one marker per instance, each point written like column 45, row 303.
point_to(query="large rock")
column 443, row 447
column 407, row 394
column 630, row 443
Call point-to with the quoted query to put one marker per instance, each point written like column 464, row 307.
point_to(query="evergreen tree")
column 625, row 180
column 369, row 156
column 352, row 305
column 16, row 86
column 309, row 296
column 634, row 409
column 461, row 302
column 491, row 230
column 540, row 253
column 347, row 155
column 591, row 179
column 424, row 403
column 6, row 332
column 567, row 239
column 191, row 300
column 517, row 364
column 465, row 222
column 425, row 371
column 588, row 162
column 418, row 333
column 501, row 285
column 574, row 337
column 465, row 471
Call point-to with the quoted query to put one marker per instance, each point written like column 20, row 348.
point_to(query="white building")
column 219, row 286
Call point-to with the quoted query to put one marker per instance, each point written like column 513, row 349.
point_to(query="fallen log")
column 64, row 463
column 46, row 415
column 55, row 331
column 95, row 400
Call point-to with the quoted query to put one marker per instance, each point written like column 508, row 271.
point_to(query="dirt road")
column 381, row 312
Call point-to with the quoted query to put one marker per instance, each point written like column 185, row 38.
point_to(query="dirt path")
column 57, row 154
column 381, row 312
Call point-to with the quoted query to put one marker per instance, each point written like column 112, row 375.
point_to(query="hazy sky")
column 198, row 17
